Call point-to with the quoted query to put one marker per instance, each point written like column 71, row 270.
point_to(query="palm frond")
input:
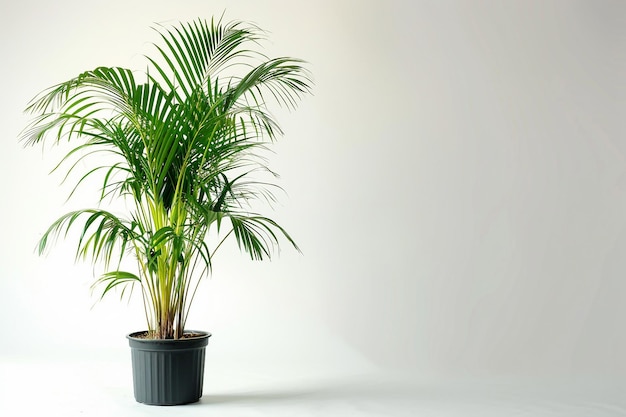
column 255, row 235
column 114, row 279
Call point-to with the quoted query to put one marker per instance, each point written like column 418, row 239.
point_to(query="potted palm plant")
column 184, row 142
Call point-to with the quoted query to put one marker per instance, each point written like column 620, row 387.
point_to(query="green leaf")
column 113, row 279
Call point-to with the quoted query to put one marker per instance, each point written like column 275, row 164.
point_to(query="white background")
column 457, row 184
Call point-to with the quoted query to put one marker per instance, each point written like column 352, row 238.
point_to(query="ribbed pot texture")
column 168, row 372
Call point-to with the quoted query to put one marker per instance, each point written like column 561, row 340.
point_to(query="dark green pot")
column 168, row 372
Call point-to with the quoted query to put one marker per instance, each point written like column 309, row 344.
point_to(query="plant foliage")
column 184, row 143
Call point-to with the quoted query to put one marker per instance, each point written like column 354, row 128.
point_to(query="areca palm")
column 186, row 140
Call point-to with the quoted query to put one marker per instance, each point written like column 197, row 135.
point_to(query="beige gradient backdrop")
column 457, row 184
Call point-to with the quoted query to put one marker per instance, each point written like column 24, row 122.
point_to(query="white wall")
column 457, row 184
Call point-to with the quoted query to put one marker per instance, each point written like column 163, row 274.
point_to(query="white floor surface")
column 95, row 387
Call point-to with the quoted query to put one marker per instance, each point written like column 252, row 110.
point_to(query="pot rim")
column 198, row 334
column 202, row 339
